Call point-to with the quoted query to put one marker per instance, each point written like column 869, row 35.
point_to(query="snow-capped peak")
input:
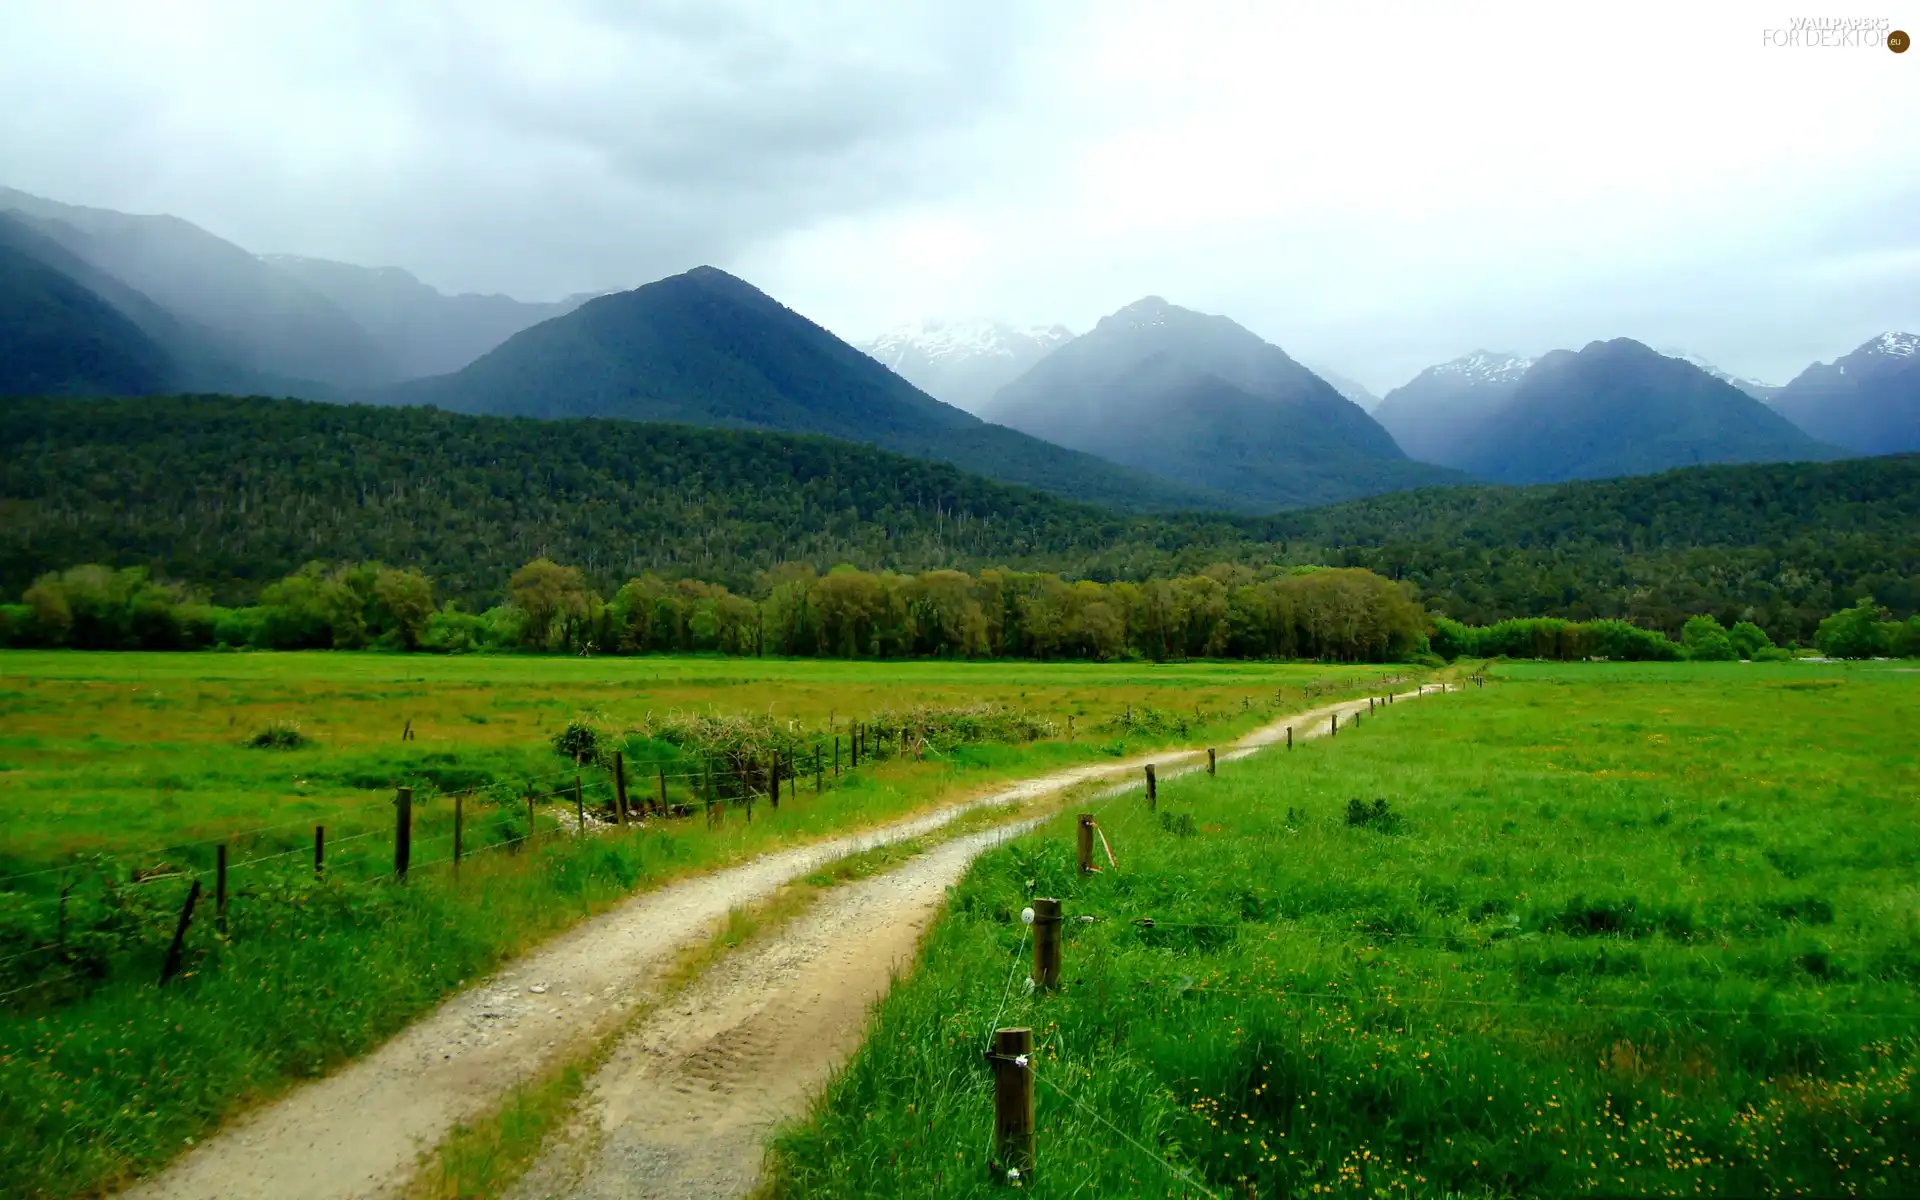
column 1485, row 366
column 1895, row 345
column 934, row 340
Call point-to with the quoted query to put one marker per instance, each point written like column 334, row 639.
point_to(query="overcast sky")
column 1373, row 187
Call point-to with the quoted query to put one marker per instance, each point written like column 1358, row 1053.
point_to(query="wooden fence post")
column 1333, row 723
column 402, row 832
column 620, row 787
column 459, row 826
column 1013, row 1101
column 579, row 804
column 1083, row 843
column 220, row 886
column 836, row 756
column 1210, row 762
column 1046, row 944
column 1153, row 789
column 773, row 779
column 1369, row 703
column 319, row 850
column 1289, row 737
column 179, row 947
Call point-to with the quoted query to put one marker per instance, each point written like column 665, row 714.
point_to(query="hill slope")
column 1202, row 402
column 705, row 348
column 57, row 338
column 1868, row 401
column 234, row 493
column 1432, row 414
column 1617, row 408
column 265, row 321
column 422, row 330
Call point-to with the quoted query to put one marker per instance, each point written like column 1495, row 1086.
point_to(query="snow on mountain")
column 1752, row 387
column 1483, row 366
column 964, row 362
column 1897, row 345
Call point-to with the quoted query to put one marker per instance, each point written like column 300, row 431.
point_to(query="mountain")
column 422, row 330
column 1618, row 408
column 1432, row 413
column 59, row 339
column 1867, row 401
column 705, row 348
column 1752, row 387
column 263, row 319
column 233, row 493
column 1351, row 389
column 1202, row 402
column 963, row 363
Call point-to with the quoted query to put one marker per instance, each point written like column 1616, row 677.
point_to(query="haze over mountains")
column 1157, row 408
column 1198, row 400
column 964, row 362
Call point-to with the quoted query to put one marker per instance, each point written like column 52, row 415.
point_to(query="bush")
column 1706, row 641
column 279, row 735
column 1853, row 632
column 1378, row 816
column 1749, row 640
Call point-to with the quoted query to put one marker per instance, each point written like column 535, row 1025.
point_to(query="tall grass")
column 1591, row 930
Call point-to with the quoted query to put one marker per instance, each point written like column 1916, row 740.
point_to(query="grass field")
column 1590, row 930
column 119, row 774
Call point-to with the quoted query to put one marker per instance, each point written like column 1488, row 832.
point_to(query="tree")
column 554, row 599
column 1852, row 632
column 1749, row 640
column 1707, row 641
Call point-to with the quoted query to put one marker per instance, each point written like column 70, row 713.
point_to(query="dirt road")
column 750, row 1040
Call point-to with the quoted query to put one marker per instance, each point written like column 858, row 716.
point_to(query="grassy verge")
column 1592, row 930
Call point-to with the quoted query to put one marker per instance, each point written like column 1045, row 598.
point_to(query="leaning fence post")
column 1153, row 789
column 402, row 832
column 1083, row 843
column 220, row 886
column 1046, row 944
column 174, row 952
column 1013, row 1101
column 319, row 850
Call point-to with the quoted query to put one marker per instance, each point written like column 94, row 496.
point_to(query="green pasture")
column 121, row 773
column 1590, row 930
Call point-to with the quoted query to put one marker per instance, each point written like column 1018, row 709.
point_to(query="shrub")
column 279, row 735
column 1707, row 641
column 1749, row 640
column 1852, row 632
column 1378, row 816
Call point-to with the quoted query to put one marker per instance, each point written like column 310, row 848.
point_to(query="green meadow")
column 1593, row 929
column 120, row 774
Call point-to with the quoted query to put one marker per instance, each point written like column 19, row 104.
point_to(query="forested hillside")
column 233, row 494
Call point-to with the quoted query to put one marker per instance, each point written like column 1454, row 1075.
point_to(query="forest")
column 231, row 495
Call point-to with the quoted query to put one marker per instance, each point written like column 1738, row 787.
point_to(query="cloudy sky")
column 1375, row 187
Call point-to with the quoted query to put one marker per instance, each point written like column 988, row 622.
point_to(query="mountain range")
column 964, row 362
column 1867, row 401
column 705, row 348
column 1157, row 408
column 1613, row 408
column 1200, row 401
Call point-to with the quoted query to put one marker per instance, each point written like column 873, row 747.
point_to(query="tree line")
column 1342, row 614
column 1337, row 614
column 233, row 495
